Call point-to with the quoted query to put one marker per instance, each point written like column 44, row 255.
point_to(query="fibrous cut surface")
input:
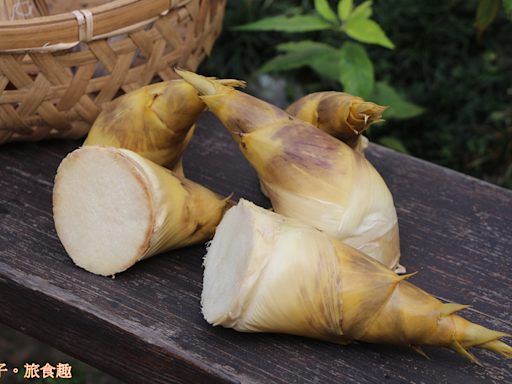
column 226, row 264
column 102, row 209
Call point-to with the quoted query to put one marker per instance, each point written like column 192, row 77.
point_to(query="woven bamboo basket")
column 57, row 72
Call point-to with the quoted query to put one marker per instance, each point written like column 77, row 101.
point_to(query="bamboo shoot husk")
column 340, row 114
column 268, row 273
column 113, row 208
column 307, row 173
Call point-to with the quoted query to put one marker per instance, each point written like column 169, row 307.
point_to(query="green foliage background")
column 440, row 62
column 464, row 81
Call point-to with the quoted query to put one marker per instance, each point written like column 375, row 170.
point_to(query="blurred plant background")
column 443, row 67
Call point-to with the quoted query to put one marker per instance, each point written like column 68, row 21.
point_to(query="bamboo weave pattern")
column 57, row 89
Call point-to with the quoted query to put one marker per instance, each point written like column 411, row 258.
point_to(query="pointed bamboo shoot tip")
column 232, row 83
column 498, row 347
column 229, row 203
column 419, row 350
column 405, row 277
column 203, row 85
column 449, row 308
column 455, row 346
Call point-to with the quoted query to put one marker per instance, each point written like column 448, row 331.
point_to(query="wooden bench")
column 146, row 325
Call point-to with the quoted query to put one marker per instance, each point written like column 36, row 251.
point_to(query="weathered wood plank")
column 146, row 324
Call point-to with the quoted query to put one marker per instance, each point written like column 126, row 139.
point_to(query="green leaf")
column 367, row 31
column 356, row 70
column 399, row 108
column 298, row 23
column 321, row 57
column 294, row 46
column 345, row 9
column 297, row 55
column 485, row 14
column 327, row 65
column 393, row 143
column 363, row 11
column 507, row 6
column 324, row 9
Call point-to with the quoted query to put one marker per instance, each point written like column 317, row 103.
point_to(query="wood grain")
column 146, row 324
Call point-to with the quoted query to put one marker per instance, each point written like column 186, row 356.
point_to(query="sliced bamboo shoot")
column 268, row 273
column 113, row 208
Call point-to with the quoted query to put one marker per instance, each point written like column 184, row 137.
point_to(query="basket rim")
column 64, row 28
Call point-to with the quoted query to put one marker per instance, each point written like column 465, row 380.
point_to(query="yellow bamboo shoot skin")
column 264, row 272
column 155, row 121
column 322, row 189
column 340, row 114
column 113, row 208
column 307, row 173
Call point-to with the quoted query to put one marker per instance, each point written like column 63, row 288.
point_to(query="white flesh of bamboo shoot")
column 113, row 208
